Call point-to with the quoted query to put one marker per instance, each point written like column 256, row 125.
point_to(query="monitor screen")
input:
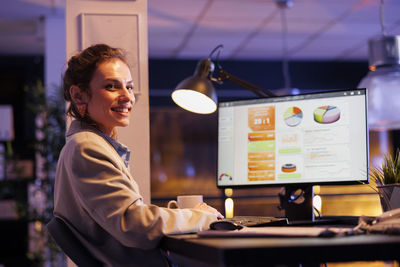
column 318, row 138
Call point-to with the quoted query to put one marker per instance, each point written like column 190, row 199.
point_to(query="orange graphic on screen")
column 261, row 176
column 261, row 143
column 288, row 167
column 261, row 166
column 264, row 155
column 261, row 118
column 261, row 136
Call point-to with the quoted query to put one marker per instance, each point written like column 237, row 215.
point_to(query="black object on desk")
column 267, row 251
column 225, row 225
column 238, row 222
column 328, row 220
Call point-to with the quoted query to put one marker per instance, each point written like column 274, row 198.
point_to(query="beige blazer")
column 98, row 198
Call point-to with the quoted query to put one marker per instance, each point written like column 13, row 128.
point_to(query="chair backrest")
column 71, row 245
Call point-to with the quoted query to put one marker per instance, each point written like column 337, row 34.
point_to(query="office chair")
column 71, row 245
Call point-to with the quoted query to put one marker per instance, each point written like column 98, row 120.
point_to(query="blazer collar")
column 79, row 126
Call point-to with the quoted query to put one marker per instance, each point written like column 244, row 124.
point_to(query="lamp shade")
column 383, row 83
column 196, row 93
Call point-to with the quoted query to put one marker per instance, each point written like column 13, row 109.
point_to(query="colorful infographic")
column 261, row 118
column 293, row 116
column 224, row 176
column 261, row 143
column 326, row 114
column 288, row 167
column 292, row 139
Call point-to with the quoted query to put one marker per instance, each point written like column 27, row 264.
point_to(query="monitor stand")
column 297, row 201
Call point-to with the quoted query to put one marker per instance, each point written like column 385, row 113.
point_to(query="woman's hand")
column 205, row 207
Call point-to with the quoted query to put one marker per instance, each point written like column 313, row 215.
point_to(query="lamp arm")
column 223, row 76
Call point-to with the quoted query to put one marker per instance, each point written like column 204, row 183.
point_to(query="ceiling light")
column 383, row 81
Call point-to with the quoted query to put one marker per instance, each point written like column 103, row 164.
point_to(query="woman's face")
column 112, row 95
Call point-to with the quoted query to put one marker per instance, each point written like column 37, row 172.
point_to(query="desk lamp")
column 197, row 93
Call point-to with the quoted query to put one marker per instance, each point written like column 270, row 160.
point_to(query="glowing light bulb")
column 317, row 202
column 194, row 101
column 228, row 192
column 229, row 207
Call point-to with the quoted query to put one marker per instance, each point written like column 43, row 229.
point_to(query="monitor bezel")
column 352, row 182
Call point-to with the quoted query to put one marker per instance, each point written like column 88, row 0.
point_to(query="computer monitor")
column 294, row 141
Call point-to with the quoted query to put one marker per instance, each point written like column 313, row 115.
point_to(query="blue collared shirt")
column 122, row 150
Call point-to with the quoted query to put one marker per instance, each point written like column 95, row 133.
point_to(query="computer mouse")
column 225, row 225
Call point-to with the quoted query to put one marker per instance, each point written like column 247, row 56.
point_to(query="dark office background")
column 20, row 71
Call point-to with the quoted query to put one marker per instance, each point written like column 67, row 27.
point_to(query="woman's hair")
column 80, row 70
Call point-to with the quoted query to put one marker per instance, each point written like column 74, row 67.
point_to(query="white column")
column 54, row 59
column 121, row 24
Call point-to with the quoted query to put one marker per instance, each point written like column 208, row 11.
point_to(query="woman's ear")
column 77, row 95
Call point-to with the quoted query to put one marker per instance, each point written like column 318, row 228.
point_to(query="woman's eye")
column 112, row 86
column 130, row 87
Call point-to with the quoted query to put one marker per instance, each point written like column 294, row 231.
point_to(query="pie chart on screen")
column 326, row 114
column 293, row 116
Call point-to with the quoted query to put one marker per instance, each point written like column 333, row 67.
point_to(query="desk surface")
column 253, row 251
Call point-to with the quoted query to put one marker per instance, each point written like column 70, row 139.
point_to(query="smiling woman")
column 95, row 193
column 112, row 95
column 99, row 85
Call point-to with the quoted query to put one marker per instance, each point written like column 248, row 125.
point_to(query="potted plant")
column 387, row 178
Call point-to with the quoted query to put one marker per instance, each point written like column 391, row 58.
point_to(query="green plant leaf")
column 389, row 172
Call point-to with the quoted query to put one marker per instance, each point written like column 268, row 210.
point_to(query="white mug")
column 185, row 202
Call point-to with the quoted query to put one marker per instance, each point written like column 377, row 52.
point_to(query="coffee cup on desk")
column 185, row 202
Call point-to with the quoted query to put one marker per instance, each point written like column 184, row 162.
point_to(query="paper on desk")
column 273, row 231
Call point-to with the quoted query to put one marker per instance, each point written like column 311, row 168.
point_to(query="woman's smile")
column 124, row 109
